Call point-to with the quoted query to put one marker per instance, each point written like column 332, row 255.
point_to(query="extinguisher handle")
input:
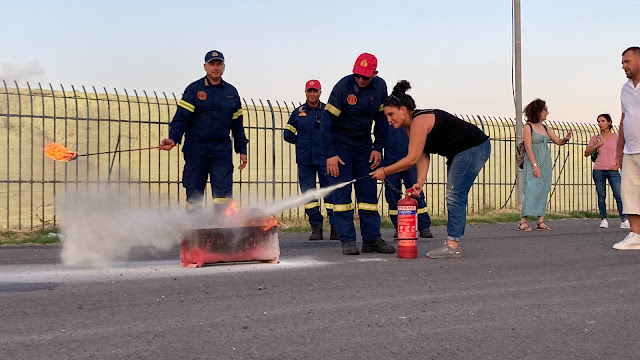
column 410, row 192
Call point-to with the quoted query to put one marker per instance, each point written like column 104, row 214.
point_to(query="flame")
column 265, row 223
column 232, row 209
column 59, row 152
column 269, row 222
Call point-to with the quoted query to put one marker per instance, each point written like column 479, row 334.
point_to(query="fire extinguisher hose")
column 393, row 187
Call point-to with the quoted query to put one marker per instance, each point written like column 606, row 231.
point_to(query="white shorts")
column 630, row 188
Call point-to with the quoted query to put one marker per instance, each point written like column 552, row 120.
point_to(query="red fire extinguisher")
column 407, row 229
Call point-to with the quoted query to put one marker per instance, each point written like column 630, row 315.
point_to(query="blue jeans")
column 462, row 171
column 600, row 178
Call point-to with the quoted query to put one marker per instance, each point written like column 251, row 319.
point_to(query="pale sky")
column 455, row 53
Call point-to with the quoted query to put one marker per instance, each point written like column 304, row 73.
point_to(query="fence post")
column 273, row 151
column 484, row 204
column 42, row 154
column 19, row 155
column 31, row 162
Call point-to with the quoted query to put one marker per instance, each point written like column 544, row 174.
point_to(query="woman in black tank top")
column 465, row 146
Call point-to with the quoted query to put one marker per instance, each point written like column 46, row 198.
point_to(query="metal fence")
column 90, row 120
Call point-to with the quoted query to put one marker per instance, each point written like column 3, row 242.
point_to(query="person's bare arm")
column 420, row 128
column 620, row 144
column 559, row 141
column 593, row 147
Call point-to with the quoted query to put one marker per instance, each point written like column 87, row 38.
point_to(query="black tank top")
column 450, row 135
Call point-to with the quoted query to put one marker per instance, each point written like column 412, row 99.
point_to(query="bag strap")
column 545, row 127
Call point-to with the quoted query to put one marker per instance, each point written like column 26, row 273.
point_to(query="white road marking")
column 371, row 259
column 59, row 273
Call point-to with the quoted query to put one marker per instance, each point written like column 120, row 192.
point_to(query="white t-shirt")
column 630, row 100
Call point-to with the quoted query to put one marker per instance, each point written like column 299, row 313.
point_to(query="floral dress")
column 536, row 191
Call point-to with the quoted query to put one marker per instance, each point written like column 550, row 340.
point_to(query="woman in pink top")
column 605, row 168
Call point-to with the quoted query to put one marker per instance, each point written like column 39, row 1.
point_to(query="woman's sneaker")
column 604, row 224
column 630, row 242
column 445, row 251
column 625, row 224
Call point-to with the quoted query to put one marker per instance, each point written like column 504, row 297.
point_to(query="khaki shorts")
column 630, row 189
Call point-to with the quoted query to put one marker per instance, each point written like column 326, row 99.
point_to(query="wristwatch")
column 536, row 165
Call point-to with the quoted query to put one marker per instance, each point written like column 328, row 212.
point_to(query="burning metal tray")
column 258, row 241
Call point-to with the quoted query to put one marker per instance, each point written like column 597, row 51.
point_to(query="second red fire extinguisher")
column 407, row 229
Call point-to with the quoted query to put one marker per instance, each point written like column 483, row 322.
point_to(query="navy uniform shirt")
column 205, row 116
column 303, row 130
column 397, row 145
column 351, row 111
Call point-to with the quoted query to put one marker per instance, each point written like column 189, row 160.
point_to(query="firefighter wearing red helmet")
column 354, row 105
column 303, row 129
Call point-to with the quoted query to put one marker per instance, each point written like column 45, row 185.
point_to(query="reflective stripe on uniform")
column 185, row 105
column 393, row 212
column 236, row 114
column 311, row 205
column 328, row 206
column 342, row 207
column 422, row 210
column 370, row 207
column 291, row 128
column 332, row 109
column 381, row 108
column 223, row 200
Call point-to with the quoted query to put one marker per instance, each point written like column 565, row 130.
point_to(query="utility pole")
column 518, row 91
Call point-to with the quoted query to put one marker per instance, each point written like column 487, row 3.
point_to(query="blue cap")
column 213, row 55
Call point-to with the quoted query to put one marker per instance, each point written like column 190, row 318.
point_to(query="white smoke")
column 99, row 228
column 21, row 71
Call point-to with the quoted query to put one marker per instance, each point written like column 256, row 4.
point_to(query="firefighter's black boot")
column 425, row 233
column 334, row 233
column 316, row 232
column 379, row 246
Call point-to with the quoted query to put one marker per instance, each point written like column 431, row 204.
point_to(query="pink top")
column 606, row 153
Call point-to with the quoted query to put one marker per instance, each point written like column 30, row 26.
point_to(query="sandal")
column 523, row 226
column 542, row 226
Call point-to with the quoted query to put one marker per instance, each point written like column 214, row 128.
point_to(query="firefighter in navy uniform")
column 396, row 148
column 303, row 130
column 354, row 104
column 210, row 108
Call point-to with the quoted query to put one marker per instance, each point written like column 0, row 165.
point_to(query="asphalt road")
column 563, row 294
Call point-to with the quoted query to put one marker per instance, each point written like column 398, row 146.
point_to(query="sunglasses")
column 395, row 97
column 365, row 78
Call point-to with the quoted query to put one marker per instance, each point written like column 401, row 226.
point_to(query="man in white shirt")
column 628, row 149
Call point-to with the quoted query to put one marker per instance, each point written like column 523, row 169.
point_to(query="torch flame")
column 59, row 152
